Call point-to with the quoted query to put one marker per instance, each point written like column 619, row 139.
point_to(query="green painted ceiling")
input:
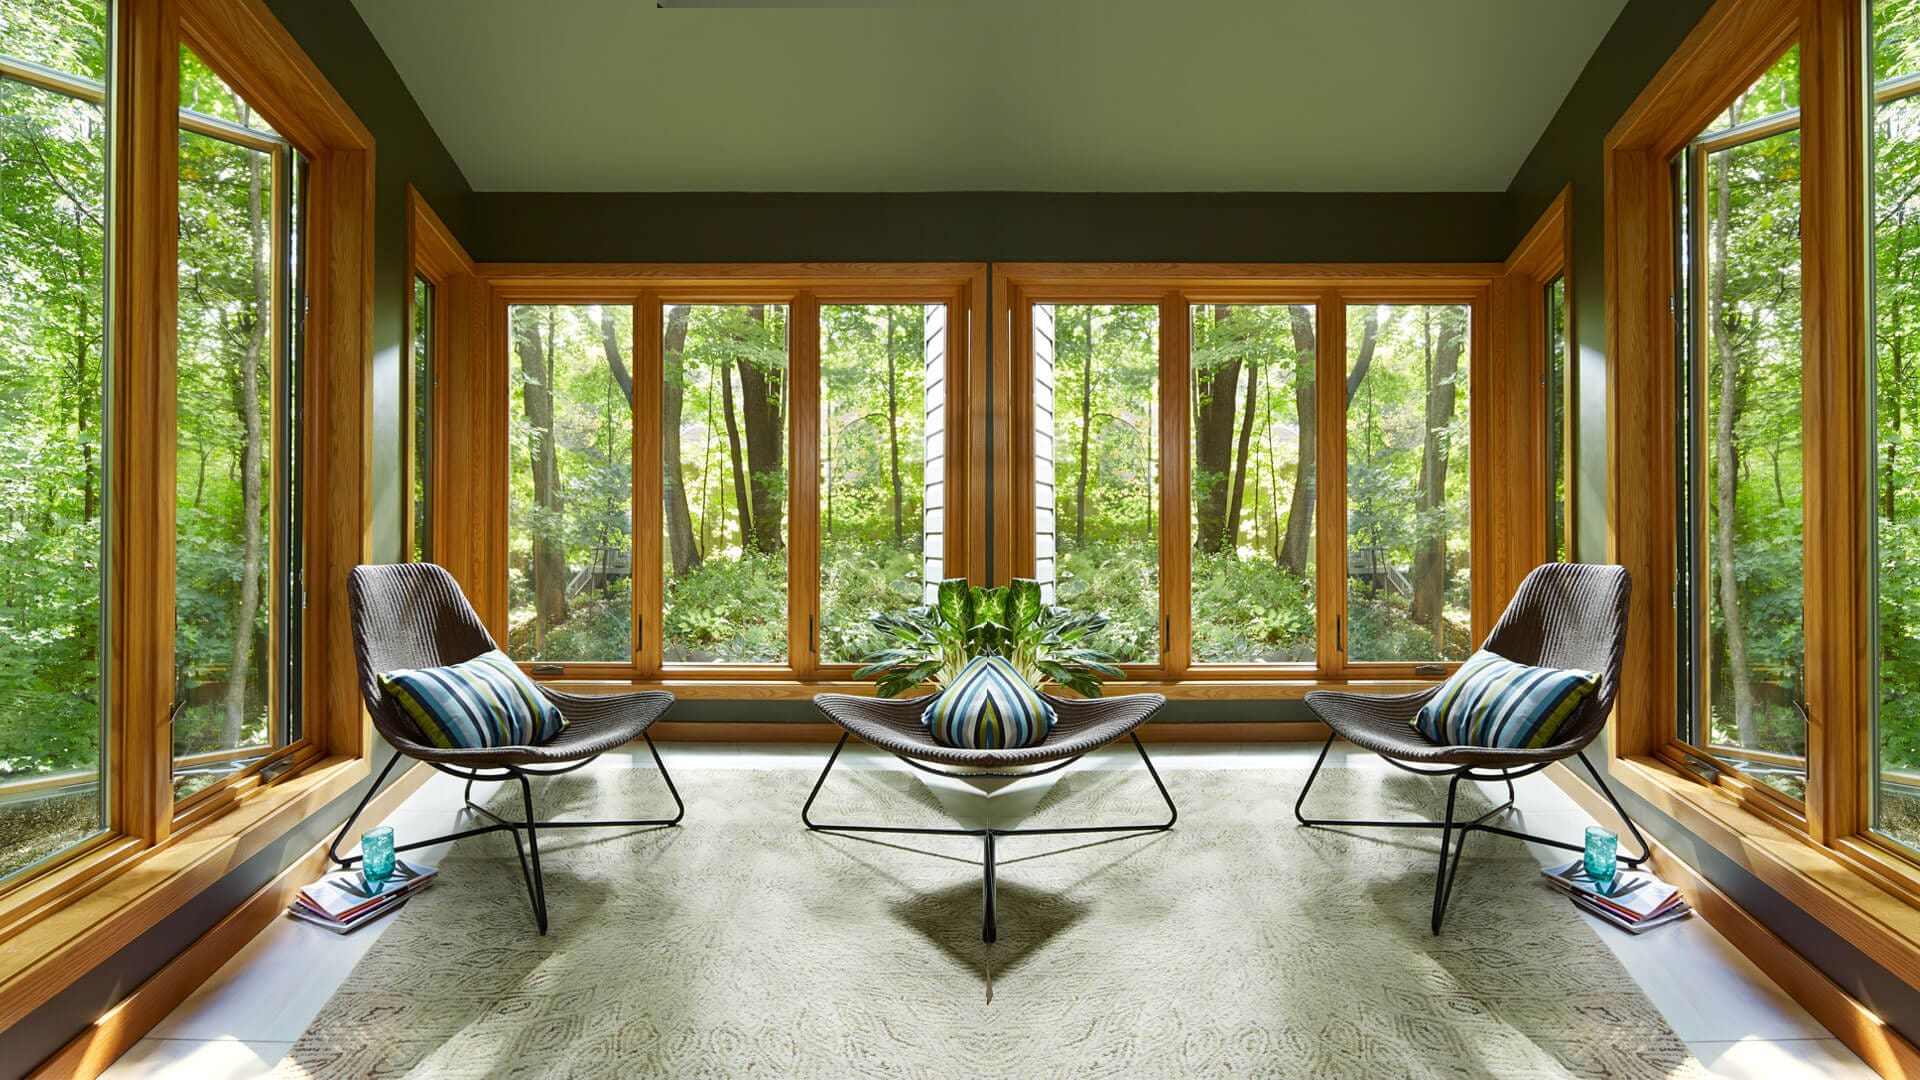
column 940, row 95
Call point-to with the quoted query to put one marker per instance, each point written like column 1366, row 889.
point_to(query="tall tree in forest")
column 1086, row 429
column 1442, row 359
column 549, row 555
column 763, row 412
column 742, row 505
column 616, row 362
column 1240, row 462
column 893, row 427
column 253, row 331
column 1216, row 387
column 1296, row 549
column 673, row 474
column 1726, row 324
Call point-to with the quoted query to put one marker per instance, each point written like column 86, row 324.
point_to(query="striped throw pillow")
column 482, row 702
column 1492, row 701
column 989, row 707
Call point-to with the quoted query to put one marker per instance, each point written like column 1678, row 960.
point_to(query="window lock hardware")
column 1429, row 669
column 1166, row 636
column 549, row 669
column 1701, row 767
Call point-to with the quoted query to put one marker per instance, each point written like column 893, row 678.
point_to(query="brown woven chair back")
column 407, row 615
column 1570, row 615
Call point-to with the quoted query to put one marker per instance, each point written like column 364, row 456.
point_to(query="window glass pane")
column 1096, row 370
column 1253, row 450
column 206, row 93
column 1750, row 570
column 1556, row 395
column 52, row 354
column 1895, row 785
column 232, row 482
column 66, row 35
column 882, row 438
column 724, row 420
column 1777, row 91
column 422, row 420
column 570, row 487
column 1407, row 502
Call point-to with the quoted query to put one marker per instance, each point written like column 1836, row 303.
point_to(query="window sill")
column 79, row 915
column 794, row 690
column 1827, row 884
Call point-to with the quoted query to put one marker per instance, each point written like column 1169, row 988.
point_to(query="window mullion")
column 803, row 497
column 649, row 337
column 1330, row 480
column 1176, row 540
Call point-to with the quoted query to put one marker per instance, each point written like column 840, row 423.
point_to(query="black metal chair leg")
column 536, row 881
column 1441, row 883
column 679, row 807
column 989, row 923
column 1300, row 802
column 1646, row 851
column 333, row 849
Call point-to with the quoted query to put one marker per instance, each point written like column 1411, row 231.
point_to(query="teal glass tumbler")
column 1602, row 853
column 376, row 858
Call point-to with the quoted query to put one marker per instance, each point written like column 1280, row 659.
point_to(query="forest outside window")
column 54, row 760
column 420, row 378
column 236, row 607
column 1742, row 570
column 1558, row 406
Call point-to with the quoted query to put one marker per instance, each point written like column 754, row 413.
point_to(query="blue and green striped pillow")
column 989, row 707
column 1492, row 701
column 479, row 703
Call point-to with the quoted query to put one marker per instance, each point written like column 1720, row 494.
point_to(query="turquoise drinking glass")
column 376, row 857
column 1603, row 850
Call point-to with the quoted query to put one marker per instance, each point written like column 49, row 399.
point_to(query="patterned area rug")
column 1237, row 944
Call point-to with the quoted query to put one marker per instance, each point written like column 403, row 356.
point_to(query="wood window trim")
column 433, row 254
column 786, row 689
column 803, row 287
column 1330, row 288
column 58, row 924
column 1545, row 253
column 1822, row 860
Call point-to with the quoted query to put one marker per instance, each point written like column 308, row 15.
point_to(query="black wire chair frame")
column 990, row 836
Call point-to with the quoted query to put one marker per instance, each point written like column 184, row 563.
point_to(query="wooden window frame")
column 648, row 289
column 156, row 856
column 1544, row 254
column 1330, row 289
column 1824, row 860
column 436, row 257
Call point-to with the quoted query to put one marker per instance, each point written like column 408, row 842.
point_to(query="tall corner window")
column 1409, row 514
column 1557, row 401
column 1096, row 446
column 54, row 486
column 420, row 377
column 1741, row 563
column 570, row 493
column 236, row 568
column 882, row 443
column 1254, row 445
column 1894, row 787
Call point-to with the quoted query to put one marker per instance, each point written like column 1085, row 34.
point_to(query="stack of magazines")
column 1634, row 901
column 342, row 902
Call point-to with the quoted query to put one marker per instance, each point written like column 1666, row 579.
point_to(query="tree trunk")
column 1246, row 447
column 1296, row 549
column 1086, row 432
column 1430, row 547
column 893, row 429
column 549, row 557
column 610, row 342
column 1726, row 463
column 764, row 418
column 673, row 474
column 741, row 504
column 252, row 451
column 1215, row 390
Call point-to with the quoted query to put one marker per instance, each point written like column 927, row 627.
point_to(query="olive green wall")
column 1570, row 151
column 406, row 150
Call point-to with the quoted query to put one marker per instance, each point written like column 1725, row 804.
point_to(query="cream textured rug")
column 1237, row 944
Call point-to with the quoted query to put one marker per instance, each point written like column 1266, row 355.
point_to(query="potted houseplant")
column 1043, row 642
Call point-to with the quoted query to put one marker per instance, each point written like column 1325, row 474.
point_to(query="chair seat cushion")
column 1492, row 701
column 989, row 707
column 478, row 703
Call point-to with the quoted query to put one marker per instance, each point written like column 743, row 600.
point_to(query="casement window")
column 421, row 343
column 1241, row 555
column 165, row 329
column 721, row 478
column 1558, row 389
